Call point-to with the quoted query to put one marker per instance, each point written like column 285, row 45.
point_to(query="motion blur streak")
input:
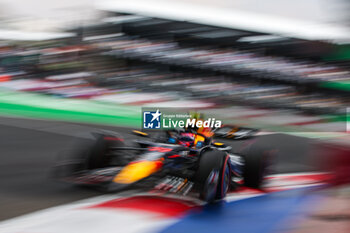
column 70, row 67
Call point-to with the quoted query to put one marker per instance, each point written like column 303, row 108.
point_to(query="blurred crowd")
column 227, row 60
column 150, row 70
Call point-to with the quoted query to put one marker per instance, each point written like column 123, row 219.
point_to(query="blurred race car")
column 235, row 132
column 181, row 161
column 225, row 131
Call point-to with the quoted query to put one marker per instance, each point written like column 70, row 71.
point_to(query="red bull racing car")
column 181, row 161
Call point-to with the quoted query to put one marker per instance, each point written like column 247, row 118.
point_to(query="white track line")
column 75, row 218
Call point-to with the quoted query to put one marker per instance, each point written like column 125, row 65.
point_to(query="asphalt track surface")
column 29, row 148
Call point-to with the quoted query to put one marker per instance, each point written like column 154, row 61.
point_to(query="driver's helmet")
column 186, row 139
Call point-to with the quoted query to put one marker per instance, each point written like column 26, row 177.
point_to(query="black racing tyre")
column 84, row 154
column 97, row 154
column 255, row 166
column 213, row 175
column 224, row 177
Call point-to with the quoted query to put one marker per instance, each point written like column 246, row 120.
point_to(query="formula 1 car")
column 235, row 132
column 180, row 161
column 227, row 131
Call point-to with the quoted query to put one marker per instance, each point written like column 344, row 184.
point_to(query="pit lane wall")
column 84, row 111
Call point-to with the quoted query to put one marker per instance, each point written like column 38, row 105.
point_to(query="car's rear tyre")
column 98, row 155
column 255, row 166
column 82, row 155
column 213, row 175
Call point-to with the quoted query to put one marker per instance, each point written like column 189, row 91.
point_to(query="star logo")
column 156, row 115
column 151, row 119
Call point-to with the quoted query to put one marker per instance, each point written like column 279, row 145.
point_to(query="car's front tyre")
column 213, row 175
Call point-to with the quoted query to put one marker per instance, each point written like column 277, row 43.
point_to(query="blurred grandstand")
column 281, row 67
column 140, row 60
